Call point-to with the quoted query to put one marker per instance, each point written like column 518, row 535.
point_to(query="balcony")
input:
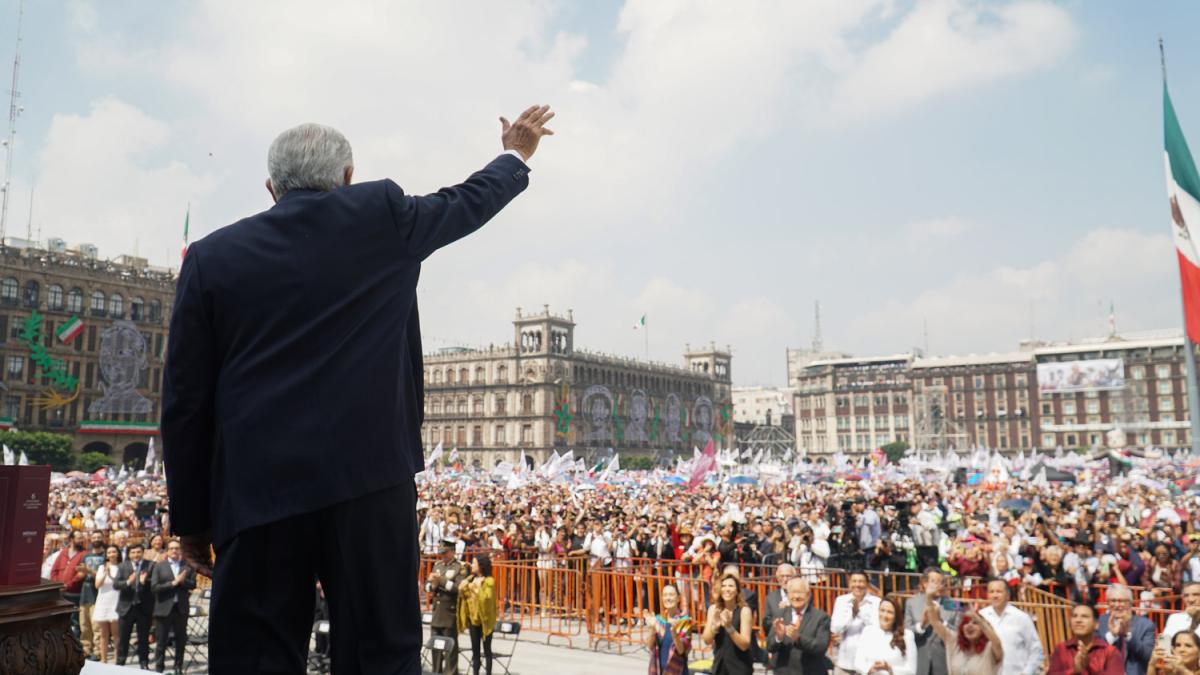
column 97, row 313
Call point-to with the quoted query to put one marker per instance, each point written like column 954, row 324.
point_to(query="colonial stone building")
column 81, row 341
column 542, row 393
column 1045, row 395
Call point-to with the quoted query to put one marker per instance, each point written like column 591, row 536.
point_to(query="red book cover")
column 24, row 495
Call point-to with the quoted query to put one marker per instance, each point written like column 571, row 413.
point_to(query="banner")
column 1071, row 376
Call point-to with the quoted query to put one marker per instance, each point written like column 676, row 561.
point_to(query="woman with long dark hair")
column 477, row 611
column 671, row 639
column 974, row 650
column 728, row 629
column 887, row 647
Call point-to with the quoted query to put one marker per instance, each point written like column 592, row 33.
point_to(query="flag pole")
column 1189, row 348
column 646, row 338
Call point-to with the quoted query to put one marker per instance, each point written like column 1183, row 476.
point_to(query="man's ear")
column 348, row 175
column 271, row 190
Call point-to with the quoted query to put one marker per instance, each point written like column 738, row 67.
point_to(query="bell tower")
column 544, row 334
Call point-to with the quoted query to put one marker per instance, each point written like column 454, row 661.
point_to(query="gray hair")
column 308, row 157
column 1120, row 589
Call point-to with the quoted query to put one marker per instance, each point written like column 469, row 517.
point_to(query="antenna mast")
column 817, row 346
column 14, row 109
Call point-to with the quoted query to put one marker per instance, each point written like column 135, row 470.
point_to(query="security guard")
column 447, row 575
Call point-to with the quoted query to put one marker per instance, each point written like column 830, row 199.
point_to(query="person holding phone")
column 1182, row 659
column 975, row 649
column 931, row 651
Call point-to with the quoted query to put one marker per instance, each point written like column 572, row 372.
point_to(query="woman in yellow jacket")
column 477, row 610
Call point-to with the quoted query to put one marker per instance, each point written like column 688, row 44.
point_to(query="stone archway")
column 98, row 446
column 134, row 455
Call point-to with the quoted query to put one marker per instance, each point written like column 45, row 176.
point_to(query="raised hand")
column 526, row 132
column 726, row 617
column 793, row 631
column 779, row 629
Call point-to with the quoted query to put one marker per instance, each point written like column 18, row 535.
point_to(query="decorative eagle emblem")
column 1181, row 228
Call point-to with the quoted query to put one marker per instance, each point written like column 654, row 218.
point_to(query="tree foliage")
column 895, row 451
column 90, row 462
column 41, row 448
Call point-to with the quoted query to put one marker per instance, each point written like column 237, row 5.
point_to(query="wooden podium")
column 35, row 620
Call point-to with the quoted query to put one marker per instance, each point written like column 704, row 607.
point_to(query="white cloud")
column 1064, row 296
column 99, row 181
column 946, row 45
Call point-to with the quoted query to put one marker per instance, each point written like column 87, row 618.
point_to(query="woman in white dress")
column 974, row 650
column 887, row 647
column 104, row 615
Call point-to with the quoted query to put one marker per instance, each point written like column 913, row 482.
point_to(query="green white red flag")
column 69, row 330
column 1183, row 194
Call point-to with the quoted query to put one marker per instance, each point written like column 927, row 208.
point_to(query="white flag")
column 453, row 456
column 613, row 466
column 9, row 457
column 151, row 456
column 123, row 473
column 23, row 461
column 435, row 455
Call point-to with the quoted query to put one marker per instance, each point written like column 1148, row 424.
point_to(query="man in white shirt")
column 598, row 544
column 852, row 613
column 1023, row 653
column 1189, row 618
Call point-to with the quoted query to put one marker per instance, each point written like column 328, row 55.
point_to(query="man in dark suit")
column 1131, row 634
column 293, row 399
column 135, row 605
column 776, row 603
column 931, row 652
column 799, row 639
column 172, row 581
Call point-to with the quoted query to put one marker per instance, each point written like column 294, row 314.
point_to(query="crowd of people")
column 1114, row 545
column 108, row 543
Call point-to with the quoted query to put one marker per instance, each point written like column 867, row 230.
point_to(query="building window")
column 54, row 297
column 137, row 309
column 116, row 306
column 435, row 436
column 15, row 366
column 526, row 434
column 501, row 374
column 1047, row 408
column 12, row 407
column 1070, row 440
column 1162, row 370
column 1093, row 407
column 1068, row 407
column 477, row 407
column 462, row 376
column 33, row 294
column 155, row 311
column 1001, row 381
column 479, row 375
column 1165, row 386
column 8, row 291
column 979, row 382
column 462, row 406
column 75, row 301
column 1138, row 372
column 477, row 435
column 1166, row 403
column 1020, row 381
column 958, row 382
column 500, row 404
column 1116, row 405
column 1168, row 437
column 436, row 407
column 499, row 434
column 1047, row 440
column 97, row 307
column 526, row 404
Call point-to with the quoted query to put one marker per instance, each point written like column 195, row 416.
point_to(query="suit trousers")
column 363, row 551
column 137, row 617
column 175, row 624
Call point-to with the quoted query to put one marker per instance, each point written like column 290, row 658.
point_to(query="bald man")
column 799, row 637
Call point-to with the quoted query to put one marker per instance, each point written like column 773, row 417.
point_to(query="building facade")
column 82, row 341
column 542, row 394
column 1045, row 395
column 762, row 405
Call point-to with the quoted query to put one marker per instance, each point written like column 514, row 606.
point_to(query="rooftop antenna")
column 14, row 109
column 817, row 346
column 29, row 223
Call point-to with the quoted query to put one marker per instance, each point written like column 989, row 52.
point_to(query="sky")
column 960, row 174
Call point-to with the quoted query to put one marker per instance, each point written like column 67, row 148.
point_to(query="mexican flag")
column 69, row 330
column 641, row 323
column 1183, row 193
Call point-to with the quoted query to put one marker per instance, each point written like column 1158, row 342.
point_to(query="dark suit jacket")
column 1139, row 647
column 143, row 597
column 165, row 594
column 294, row 378
column 807, row 654
column 931, row 652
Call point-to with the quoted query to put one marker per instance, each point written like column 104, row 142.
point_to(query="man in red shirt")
column 1085, row 653
column 68, row 570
